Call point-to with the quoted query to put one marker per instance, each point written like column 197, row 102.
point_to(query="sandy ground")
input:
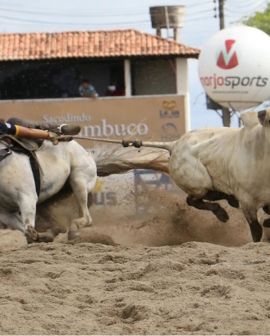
column 175, row 270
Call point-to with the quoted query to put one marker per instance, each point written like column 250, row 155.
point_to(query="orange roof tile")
column 115, row 43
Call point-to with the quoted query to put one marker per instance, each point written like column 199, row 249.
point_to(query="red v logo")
column 227, row 59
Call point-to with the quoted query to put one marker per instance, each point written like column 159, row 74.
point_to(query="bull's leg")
column 256, row 230
column 264, row 220
column 27, row 207
column 191, row 175
column 27, row 216
column 266, row 230
column 81, row 187
column 217, row 210
column 48, row 236
column 266, row 209
column 233, row 201
column 213, row 195
column 80, row 191
column 82, row 179
column 11, row 221
column 251, row 216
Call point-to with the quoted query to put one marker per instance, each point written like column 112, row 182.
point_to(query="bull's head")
column 264, row 118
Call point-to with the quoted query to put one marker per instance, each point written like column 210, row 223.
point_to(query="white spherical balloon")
column 234, row 67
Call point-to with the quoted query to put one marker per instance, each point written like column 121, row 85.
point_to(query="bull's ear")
column 261, row 116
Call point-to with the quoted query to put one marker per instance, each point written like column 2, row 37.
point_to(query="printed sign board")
column 150, row 118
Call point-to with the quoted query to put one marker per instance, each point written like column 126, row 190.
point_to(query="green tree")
column 260, row 20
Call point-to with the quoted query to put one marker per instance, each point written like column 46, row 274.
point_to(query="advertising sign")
column 234, row 67
column 150, row 118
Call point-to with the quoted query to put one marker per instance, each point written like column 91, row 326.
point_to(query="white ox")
column 67, row 161
column 224, row 163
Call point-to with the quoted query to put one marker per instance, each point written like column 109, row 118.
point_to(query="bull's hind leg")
column 251, row 216
column 266, row 230
column 266, row 209
column 17, row 222
column 81, row 185
column 26, row 220
column 27, row 207
column 217, row 210
column 214, row 195
column 192, row 177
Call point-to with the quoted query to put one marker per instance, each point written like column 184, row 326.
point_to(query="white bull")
column 67, row 161
column 224, row 163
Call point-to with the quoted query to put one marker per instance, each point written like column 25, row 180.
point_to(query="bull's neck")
column 260, row 139
column 265, row 132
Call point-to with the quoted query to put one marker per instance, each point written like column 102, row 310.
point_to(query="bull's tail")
column 168, row 145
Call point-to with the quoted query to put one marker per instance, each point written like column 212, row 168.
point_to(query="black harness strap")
column 35, row 170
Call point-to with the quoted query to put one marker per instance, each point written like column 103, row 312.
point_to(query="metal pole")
column 221, row 14
column 167, row 20
column 226, row 114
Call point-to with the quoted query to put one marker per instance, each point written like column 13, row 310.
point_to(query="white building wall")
column 182, row 86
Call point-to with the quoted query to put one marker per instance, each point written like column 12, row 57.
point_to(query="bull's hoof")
column 72, row 234
column 31, row 235
column 221, row 215
column 46, row 237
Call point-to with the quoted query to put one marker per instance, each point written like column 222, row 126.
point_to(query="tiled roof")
column 115, row 43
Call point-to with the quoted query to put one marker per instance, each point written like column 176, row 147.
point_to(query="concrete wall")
column 154, row 76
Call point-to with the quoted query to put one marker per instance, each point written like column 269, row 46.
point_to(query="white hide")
column 18, row 198
column 229, row 160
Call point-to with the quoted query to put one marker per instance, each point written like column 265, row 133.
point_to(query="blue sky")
column 199, row 25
